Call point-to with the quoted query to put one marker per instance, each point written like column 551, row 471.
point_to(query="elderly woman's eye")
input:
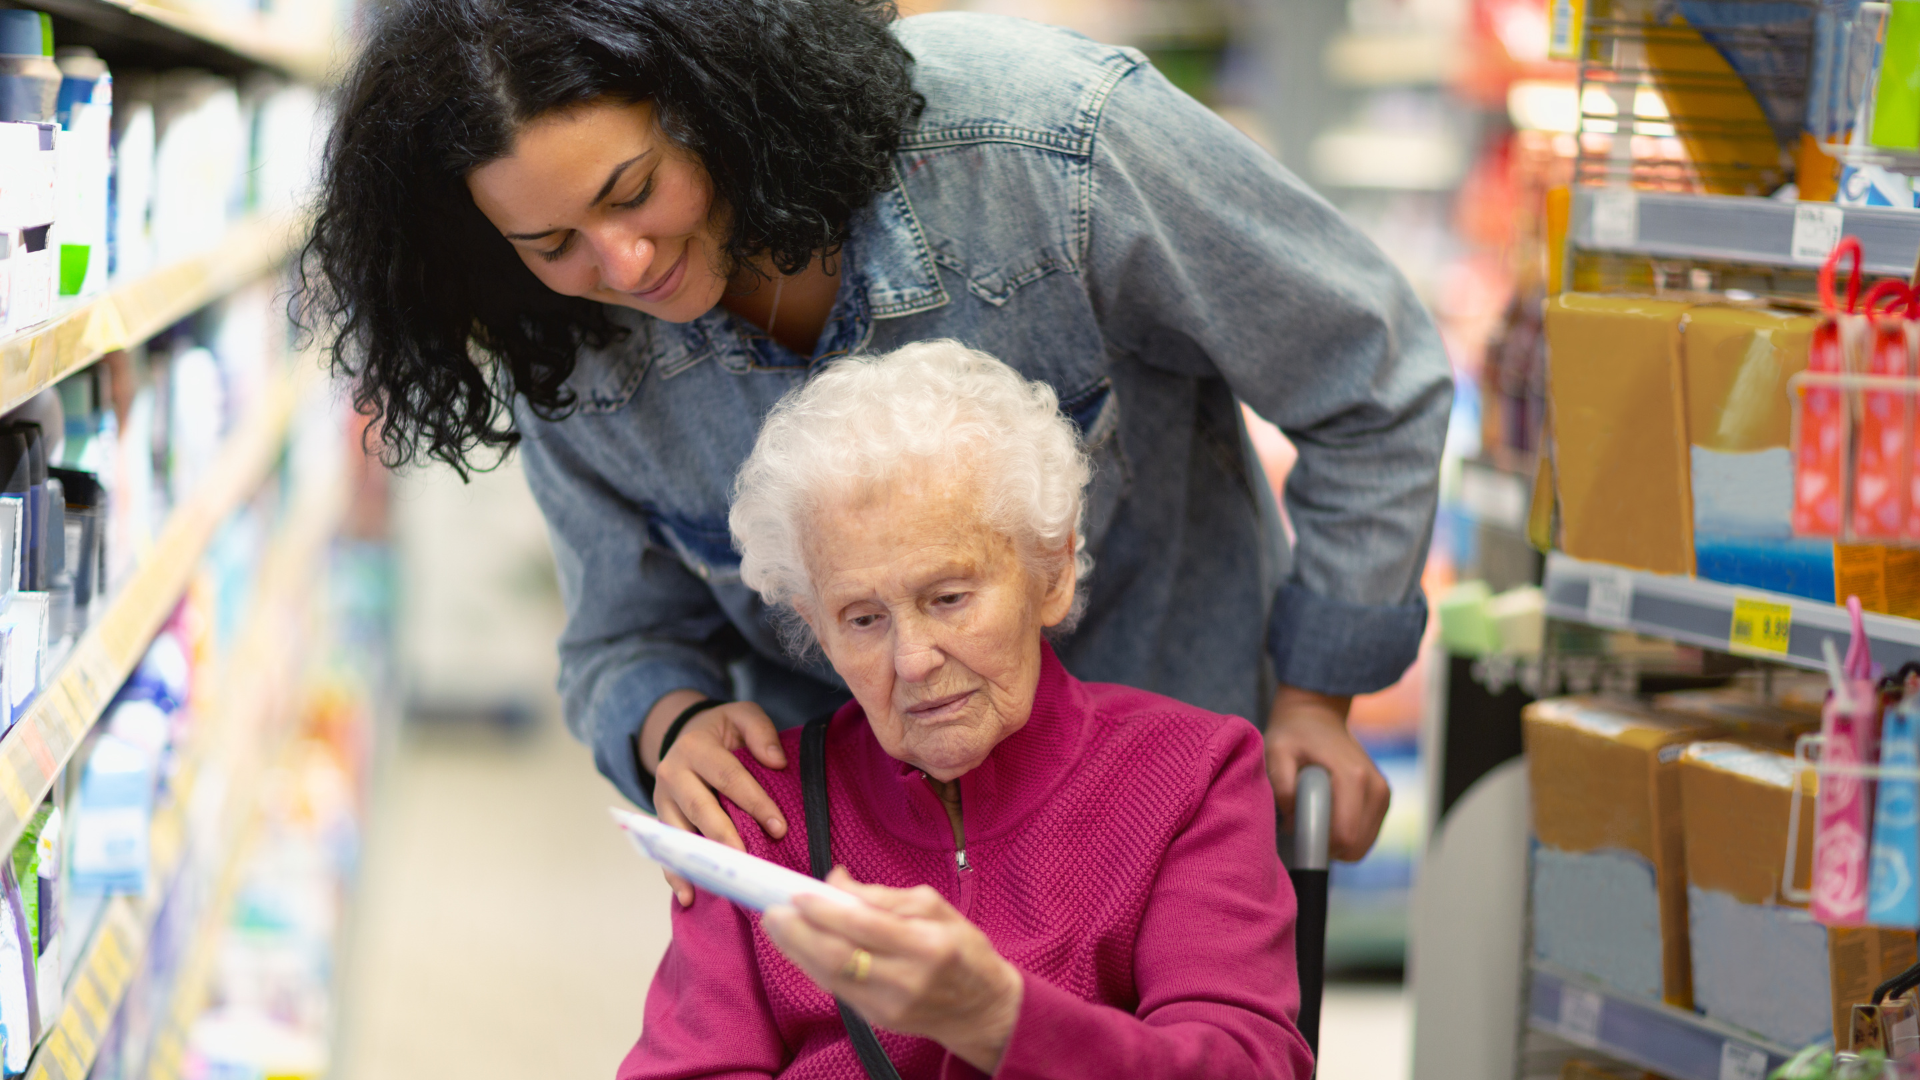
column 949, row 598
column 864, row 621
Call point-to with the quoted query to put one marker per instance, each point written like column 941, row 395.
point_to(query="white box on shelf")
column 27, row 166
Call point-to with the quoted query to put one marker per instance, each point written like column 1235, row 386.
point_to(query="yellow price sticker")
column 1760, row 626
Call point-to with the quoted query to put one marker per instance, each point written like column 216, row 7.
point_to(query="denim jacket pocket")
column 705, row 546
column 996, row 286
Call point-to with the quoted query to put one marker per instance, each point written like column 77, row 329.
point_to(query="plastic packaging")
column 29, row 78
column 1882, row 455
column 1820, row 451
column 1843, row 823
column 1894, row 894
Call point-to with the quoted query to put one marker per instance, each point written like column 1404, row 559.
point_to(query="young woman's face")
column 601, row 204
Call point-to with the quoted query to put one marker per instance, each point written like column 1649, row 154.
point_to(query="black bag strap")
column 813, row 792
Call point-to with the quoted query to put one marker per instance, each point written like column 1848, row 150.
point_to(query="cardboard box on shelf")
column 1735, row 363
column 1615, row 400
column 1759, row 961
column 1741, row 715
column 1576, row 1069
column 1861, row 958
column 1609, row 866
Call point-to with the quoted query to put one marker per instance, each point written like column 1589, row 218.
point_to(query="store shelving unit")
column 133, row 311
column 1669, row 1041
column 34, row 751
column 1703, row 613
column 226, row 761
column 209, row 808
column 1727, row 228
column 188, row 33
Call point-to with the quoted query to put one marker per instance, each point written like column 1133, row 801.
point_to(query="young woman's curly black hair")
column 793, row 106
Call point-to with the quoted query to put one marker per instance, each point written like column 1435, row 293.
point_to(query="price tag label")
column 1616, row 219
column 1580, row 1014
column 61, row 1051
column 1609, row 597
column 1739, row 1062
column 87, row 996
column 1760, row 627
column 1816, row 229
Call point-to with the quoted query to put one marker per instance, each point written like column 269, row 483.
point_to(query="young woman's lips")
column 940, row 709
column 665, row 286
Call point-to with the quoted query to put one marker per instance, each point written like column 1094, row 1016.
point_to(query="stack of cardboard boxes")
column 1660, row 839
column 1672, row 432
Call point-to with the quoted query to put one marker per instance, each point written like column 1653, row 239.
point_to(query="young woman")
column 613, row 233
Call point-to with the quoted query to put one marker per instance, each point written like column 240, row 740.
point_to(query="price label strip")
column 1738, row 1062
column 1760, row 627
column 1610, row 598
column 1580, row 1012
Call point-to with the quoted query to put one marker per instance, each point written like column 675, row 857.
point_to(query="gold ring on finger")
column 858, row 966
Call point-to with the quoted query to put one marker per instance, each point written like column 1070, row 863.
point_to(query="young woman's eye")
column 555, row 254
column 646, row 189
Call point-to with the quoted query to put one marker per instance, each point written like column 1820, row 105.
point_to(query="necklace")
column 778, row 285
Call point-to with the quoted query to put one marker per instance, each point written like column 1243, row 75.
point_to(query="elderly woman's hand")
column 930, row 973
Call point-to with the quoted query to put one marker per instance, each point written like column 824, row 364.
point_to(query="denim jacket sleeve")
column 1207, row 258
column 636, row 616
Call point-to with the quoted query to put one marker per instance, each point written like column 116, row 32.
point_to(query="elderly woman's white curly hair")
column 865, row 417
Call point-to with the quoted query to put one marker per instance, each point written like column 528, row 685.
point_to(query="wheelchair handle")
column 1309, row 870
column 1312, row 818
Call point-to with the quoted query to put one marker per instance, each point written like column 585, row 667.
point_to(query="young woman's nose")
column 626, row 260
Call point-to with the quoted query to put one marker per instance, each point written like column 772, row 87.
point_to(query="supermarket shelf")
column 1727, row 228
column 33, row 752
column 1399, row 59
column 229, row 748
column 190, row 33
column 1672, row 1042
column 133, row 311
column 1697, row 612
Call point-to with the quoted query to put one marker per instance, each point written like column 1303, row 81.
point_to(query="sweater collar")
column 1018, row 776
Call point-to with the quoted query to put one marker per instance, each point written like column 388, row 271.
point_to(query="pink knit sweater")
column 1120, row 852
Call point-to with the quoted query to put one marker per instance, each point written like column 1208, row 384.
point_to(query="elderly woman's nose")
column 915, row 657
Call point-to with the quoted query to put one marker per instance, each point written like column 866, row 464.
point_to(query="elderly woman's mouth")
column 940, row 709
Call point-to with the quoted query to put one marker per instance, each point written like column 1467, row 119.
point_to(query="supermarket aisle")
column 506, row 929
column 1366, row 1032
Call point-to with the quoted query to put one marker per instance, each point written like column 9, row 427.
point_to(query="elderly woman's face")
column 931, row 616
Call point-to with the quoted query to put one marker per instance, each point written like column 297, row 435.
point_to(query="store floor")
column 506, row 930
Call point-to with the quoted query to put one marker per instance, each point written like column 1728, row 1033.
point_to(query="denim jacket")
column 1063, row 207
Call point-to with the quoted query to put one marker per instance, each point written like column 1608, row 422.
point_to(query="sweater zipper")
column 964, row 871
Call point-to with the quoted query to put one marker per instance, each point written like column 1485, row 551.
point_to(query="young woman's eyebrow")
column 605, row 190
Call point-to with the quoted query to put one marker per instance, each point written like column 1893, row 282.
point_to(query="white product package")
column 745, row 879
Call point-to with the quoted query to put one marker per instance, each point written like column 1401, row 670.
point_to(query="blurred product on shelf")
column 269, row 1006
column 105, row 176
column 1609, row 898
column 1617, row 415
column 1475, row 622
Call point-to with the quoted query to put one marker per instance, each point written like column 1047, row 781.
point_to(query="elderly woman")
column 1063, row 879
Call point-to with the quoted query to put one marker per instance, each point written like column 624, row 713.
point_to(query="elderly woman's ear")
column 1058, row 603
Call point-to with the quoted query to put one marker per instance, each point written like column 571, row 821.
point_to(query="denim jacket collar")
column 890, row 273
column 895, row 257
